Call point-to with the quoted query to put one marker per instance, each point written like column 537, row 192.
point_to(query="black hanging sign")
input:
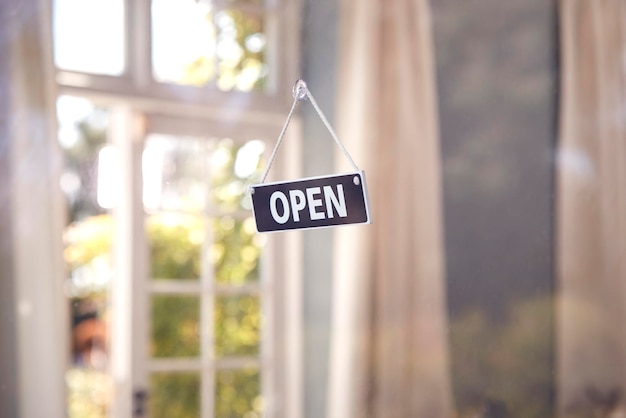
column 315, row 202
column 311, row 203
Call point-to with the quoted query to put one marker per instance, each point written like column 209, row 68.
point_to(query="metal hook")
column 300, row 90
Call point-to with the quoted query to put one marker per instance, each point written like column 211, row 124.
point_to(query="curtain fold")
column 389, row 354
column 591, row 207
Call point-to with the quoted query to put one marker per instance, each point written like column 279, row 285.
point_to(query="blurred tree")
column 233, row 52
column 81, row 161
column 504, row 364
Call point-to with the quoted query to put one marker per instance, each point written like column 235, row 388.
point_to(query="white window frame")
column 140, row 106
column 136, row 83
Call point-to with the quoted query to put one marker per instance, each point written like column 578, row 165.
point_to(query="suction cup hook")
column 300, row 90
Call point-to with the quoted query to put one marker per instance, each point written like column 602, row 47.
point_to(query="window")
column 195, row 43
column 194, row 51
column 88, row 250
column 206, row 293
column 181, row 95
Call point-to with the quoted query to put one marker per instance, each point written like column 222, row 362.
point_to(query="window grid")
column 207, row 321
column 206, row 288
column 137, row 82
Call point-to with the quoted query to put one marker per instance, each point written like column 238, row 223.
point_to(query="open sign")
column 311, row 203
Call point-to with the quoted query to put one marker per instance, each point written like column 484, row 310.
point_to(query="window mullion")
column 129, row 290
column 139, row 44
column 207, row 307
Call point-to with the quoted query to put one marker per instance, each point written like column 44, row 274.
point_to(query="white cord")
column 279, row 140
column 330, row 129
column 301, row 92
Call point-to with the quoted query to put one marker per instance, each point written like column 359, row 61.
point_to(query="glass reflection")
column 499, row 364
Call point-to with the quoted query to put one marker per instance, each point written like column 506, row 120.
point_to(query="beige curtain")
column 591, row 207
column 389, row 345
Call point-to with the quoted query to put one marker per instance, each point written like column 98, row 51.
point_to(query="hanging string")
column 300, row 93
column 330, row 129
column 279, row 140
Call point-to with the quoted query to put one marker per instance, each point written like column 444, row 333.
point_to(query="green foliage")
column 175, row 244
column 236, row 66
column 236, row 252
column 231, row 72
column 238, row 394
column 237, row 323
column 175, row 395
column 175, row 322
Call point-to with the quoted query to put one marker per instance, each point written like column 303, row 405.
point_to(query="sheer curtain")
column 591, row 206
column 389, row 338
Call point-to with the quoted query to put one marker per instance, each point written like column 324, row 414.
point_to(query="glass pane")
column 89, row 36
column 240, row 50
column 237, row 324
column 238, row 394
column 236, row 251
column 82, row 136
column 175, row 244
column 174, row 395
column 175, row 325
column 88, row 255
column 174, row 173
column 87, row 241
column 233, row 167
column 194, row 44
column 88, row 393
column 183, row 42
